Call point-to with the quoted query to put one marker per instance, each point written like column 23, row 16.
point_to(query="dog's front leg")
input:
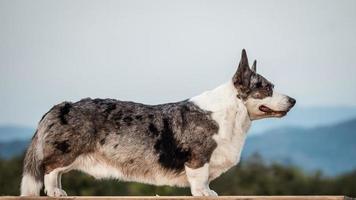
column 199, row 181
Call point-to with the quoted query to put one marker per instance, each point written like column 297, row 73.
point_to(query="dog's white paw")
column 204, row 192
column 55, row 192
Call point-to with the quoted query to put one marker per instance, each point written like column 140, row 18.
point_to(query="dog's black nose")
column 291, row 101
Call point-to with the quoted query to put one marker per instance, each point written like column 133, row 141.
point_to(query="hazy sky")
column 161, row 51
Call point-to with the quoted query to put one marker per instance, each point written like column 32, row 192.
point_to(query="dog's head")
column 257, row 92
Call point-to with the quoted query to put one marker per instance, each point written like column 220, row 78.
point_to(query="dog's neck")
column 219, row 99
column 232, row 117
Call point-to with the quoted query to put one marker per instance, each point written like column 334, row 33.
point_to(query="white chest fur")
column 233, row 127
column 233, row 120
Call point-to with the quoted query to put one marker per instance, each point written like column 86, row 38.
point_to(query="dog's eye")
column 269, row 91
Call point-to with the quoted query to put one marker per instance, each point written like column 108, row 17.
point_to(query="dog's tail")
column 32, row 178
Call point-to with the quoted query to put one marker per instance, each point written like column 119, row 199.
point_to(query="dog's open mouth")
column 269, row 111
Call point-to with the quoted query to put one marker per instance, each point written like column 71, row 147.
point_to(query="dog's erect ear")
column 243, row 70
column 254, row 66
column 244, row 60
column 242, row 76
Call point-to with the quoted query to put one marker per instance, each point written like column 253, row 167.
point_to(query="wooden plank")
column 181, row 198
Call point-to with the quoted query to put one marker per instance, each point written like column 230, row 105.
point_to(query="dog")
column 187, row 143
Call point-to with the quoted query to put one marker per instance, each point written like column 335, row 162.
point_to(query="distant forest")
column 251, row 177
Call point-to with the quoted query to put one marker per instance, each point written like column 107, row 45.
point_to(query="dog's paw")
column 55, row 192
column 204, row 192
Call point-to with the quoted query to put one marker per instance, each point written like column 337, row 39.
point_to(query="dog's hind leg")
column 52, row 183
column 32, row 179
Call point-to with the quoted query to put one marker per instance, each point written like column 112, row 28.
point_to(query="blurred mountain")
column 14, row 140
column 14, row 132
column 12, row 148
column 331, row 149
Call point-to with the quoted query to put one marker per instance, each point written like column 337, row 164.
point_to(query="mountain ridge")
column 330, row 148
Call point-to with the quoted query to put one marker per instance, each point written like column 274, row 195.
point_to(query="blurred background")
column 164, row 51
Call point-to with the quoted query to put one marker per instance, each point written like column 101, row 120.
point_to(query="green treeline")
column 251, row 177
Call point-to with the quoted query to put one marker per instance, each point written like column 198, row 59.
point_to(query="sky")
column 164, row 51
